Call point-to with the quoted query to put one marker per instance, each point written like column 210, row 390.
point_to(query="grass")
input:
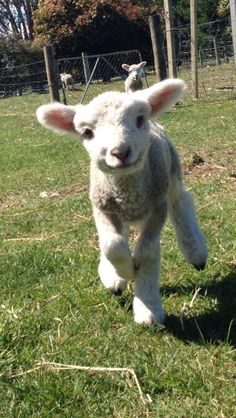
column 54, row 309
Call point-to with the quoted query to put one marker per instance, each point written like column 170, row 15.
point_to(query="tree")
column 14, row 52
column 93, row 26
column 223, row 7
column 16, row 18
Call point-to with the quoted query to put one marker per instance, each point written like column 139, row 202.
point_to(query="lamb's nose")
column 121, row 154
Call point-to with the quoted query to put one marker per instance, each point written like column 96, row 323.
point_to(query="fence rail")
column 94, row 74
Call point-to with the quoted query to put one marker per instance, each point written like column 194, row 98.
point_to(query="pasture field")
column 53, row 307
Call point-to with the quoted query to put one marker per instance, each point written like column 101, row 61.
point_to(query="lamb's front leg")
column 116, row 263
column 147, row 303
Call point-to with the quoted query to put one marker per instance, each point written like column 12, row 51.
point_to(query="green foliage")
column 223, row 7
column 93, row 26
column 15, row 52
column 98, row 26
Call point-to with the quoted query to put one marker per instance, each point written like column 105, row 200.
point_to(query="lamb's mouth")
column 122, row 166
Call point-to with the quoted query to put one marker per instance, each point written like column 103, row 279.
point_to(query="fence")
column 216, row 67
column 97, row 73
column 16, row 80
column 88, row 71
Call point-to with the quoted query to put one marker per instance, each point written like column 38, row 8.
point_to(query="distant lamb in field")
column 135, row 179
column 67, row 81
column 134, row 80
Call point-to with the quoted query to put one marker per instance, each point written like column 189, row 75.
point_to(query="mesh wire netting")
column 94, row 74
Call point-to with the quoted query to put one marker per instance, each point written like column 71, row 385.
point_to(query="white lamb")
column 135, row 179
column 67, row 81
column 134, row 80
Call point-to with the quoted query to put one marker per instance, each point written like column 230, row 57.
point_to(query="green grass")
column 53, row 307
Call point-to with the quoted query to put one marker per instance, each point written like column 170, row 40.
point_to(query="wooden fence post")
column 170, row 39
column 194, row 48
column 216, row 49
column 157, row 46
column 86, row 67
column 233, row 24
column 51, row 73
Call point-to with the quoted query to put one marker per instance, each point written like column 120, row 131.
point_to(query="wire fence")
column 89, row 74
column 93, row 74
column 16, row 80
column 216, row 66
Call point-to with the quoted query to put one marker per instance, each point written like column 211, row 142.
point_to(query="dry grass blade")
column 91, row 369
column 194, row 297
column 42, row 238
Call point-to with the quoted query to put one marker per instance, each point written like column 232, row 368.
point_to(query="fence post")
column 157, row 46
column 86, row 67
column 225, row 54
column 170, row 39
column 200, row 57
column 216, row 49
column 233, row 24
column 51, row 73
column 193, row 20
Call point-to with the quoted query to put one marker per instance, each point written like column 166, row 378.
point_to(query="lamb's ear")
column 126, row 67
column 142, row 64
column 162, row 96
column 57, row 117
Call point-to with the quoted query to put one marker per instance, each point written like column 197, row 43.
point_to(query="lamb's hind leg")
column 190, row 238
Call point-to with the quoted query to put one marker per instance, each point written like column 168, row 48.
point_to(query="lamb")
column 134, row 80
column 67, row 81
column 135, row 178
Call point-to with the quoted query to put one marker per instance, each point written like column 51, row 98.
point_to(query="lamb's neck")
column 129, row 196
column 129, row 182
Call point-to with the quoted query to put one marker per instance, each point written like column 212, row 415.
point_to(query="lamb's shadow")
column 214, row 325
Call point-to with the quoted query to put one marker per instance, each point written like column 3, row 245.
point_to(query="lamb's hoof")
column 145, row 316
column 116, row 292
column 199, row 267
column 150, row 319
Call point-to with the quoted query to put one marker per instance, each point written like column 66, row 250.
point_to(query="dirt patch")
column 203, row 167
column 11, row 201
column 17, row 201
column 72, row 190
column 204, row 170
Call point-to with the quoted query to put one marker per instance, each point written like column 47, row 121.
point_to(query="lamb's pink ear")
column 162, row 96
column 142, row 64
column 126, row 67
column 57, row 117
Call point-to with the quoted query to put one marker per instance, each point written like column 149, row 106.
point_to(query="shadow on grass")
column 211, row 326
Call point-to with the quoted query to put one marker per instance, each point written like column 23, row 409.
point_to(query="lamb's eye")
column 139, row 121
column 88, row 133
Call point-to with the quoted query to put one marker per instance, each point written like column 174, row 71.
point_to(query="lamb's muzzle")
column 122, row 154
column 135, row 180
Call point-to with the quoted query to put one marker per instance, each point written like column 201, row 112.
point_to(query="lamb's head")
column 114, row 127
column 135, row 70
